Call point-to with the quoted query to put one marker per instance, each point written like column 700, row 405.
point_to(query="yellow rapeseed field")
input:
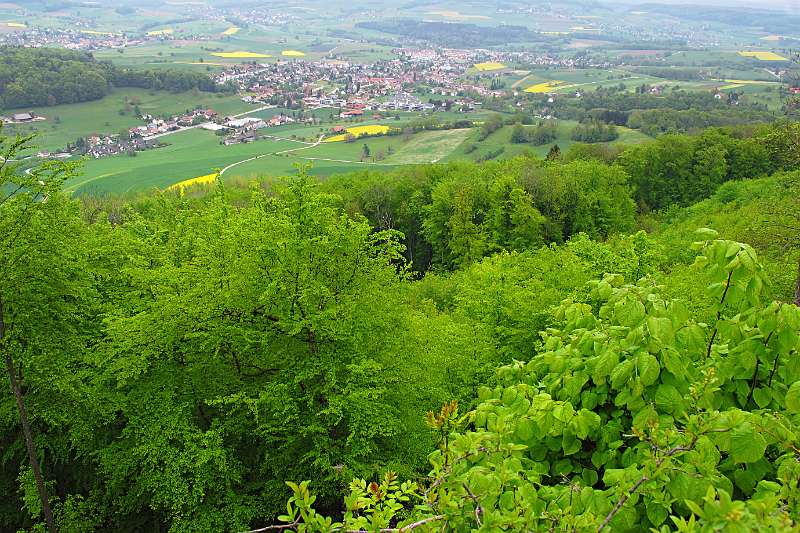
column 156, row 33
column 95, row 32
column 358, row 131
column 15, row 25
column 293, row 53
column 240, row 55
column 546, row 87
column 762, row 56
column 199, row 180
column 490, row 65
column 741, row 83
column 231, row 31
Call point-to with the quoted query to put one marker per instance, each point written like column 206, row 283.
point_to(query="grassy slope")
column 190, row 154
column 102, row 116
column 502, row 138
column 197, row 153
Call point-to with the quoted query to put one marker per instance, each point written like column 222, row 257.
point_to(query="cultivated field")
column 489, row 66
column 359, row 131
column 240, row 55
column 763, row 56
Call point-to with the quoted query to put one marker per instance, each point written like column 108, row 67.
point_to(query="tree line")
column 455, row 214
column 654, row 114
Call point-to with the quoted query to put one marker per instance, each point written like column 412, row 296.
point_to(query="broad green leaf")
column 629, row 312
column 747, row 444
column 648, row 368
column 669, row 400
column 525, row 429
column 793, row 398
column 762, row 396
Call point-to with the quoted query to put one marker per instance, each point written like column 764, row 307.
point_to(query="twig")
column 275, row 528
column 478, row 508
column 409, row 527
column 719, row 314
column 642, row 480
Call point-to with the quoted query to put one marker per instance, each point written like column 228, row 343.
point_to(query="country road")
column 306, row 147
column 291, row 150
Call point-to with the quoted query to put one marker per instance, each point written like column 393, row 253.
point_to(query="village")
column 400, row 84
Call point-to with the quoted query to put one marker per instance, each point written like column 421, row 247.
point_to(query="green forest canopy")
column 181, row 358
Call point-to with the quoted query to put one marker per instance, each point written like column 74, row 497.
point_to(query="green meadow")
column 501, row 140
column 65, row 123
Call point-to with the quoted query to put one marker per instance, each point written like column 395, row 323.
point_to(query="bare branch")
column 275, row 528
column 409, row 527
column 642, row 480
column 478, row 508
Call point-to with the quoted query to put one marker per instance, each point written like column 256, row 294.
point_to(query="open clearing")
column 429, row 147
column 233, row 30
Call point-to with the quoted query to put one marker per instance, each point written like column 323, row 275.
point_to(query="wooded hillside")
column 533, row 345
column 48, row 76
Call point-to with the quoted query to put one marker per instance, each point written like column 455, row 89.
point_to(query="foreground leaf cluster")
column 632, row 415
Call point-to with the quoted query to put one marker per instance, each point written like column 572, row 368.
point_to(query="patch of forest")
column 31, row 77
column 455, row 34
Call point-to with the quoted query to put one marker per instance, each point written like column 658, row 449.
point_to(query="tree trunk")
column 797, row 285
column 26, row 431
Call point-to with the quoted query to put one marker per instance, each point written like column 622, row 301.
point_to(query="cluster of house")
column 22, row 118
column 73, row 39
column 158, row 126
column 245, row 130
column 98, row 146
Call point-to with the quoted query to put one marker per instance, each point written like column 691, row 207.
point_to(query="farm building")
column 210, row 126
column 244, row 122
column 23, row 117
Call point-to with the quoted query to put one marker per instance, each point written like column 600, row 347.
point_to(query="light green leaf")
column 793, row 398
column 629, row 312
column 747, row 444
column 648, row 368
column 669, row 400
